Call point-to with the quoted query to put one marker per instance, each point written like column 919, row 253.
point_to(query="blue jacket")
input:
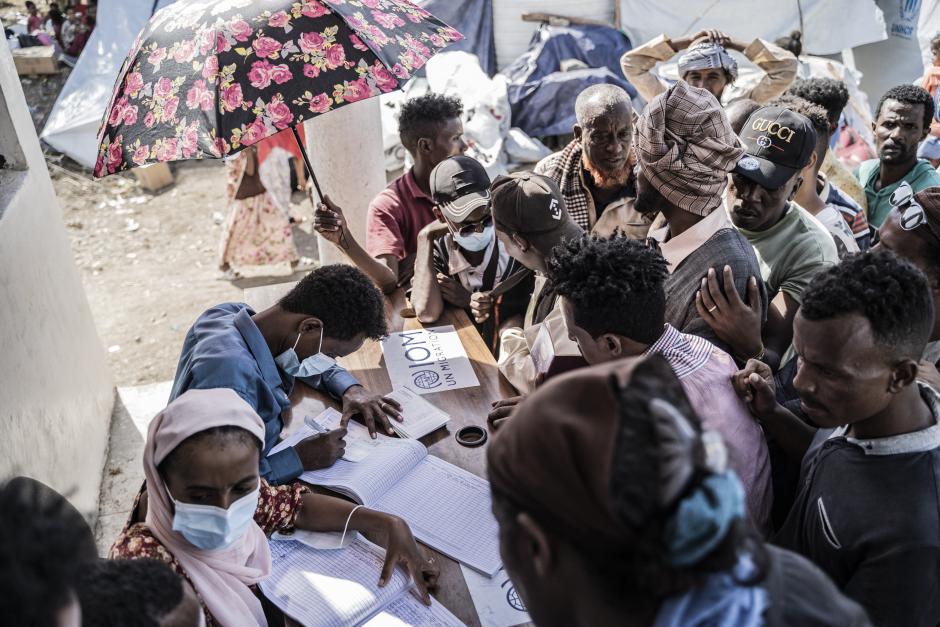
column 225, row 349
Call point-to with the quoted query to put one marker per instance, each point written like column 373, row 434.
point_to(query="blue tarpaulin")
column 542, row 95
column 474, row 19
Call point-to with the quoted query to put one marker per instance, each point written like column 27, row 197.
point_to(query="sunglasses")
column 911, row 212
column 466, row 230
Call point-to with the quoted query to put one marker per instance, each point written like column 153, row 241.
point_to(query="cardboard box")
column 154, row 177
column 35, row 60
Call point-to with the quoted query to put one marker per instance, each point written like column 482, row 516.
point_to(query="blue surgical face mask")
column 312, row 366
column 475, row 242
column 212, row 528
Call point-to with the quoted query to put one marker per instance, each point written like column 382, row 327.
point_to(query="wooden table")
column 466, row 406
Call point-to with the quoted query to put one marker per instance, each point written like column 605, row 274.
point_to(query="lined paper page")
column 448, row 509
column 408, row 611
column 330, row 588
column 368, row 479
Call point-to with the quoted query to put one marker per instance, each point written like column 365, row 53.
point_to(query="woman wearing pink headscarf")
column 207, row 512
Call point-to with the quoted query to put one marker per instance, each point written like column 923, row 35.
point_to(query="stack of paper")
column 419, row 417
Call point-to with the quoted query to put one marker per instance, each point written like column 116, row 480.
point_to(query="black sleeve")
column 799, row 593
column 899, row 586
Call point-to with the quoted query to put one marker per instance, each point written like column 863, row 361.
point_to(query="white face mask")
column 312, row 366
column 475, row 242
column 212, row 528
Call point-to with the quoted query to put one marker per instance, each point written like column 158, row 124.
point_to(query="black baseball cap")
column 531, row 205
column 459, row 186
column 779, row 143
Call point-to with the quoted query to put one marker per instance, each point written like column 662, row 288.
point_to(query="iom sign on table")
column 428, row 360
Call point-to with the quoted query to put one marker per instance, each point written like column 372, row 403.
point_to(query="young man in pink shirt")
column 431, row 131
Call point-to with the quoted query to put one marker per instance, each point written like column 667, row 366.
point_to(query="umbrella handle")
column 303, row 153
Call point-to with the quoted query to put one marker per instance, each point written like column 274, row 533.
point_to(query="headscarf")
column 578, row 422
column 221, row 577
column 706, row 56
column 686, row 147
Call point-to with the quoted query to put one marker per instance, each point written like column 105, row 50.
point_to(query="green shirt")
column 921, row 176
column 791, row 252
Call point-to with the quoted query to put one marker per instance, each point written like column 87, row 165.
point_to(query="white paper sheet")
column 408, row 611
column 449, row 509
column 419, row 417
column 359, row 443
column 495, row 599
column 330, row 588
column 428, row 360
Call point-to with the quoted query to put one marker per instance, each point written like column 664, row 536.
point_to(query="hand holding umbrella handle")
column 330, row 223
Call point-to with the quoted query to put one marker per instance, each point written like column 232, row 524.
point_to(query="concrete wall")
column 56, row 392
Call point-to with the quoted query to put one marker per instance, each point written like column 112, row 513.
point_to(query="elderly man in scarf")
column 685, row 149
column 706, row 63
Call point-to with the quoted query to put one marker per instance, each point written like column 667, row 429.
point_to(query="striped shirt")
column 705, row 372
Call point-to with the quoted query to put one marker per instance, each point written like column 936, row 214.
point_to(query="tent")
column 829, row 26
column 72, row 127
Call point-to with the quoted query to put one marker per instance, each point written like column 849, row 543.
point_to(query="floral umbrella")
column 206, row 78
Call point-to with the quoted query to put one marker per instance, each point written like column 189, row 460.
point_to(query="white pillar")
column 345, row 148
column 56, row 391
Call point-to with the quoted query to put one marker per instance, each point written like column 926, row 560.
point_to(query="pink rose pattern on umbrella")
column 208, row 77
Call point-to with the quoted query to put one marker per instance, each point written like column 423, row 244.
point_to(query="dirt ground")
column 149, row 262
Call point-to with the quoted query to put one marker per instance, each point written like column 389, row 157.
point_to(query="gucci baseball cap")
column 459, row 186
column 779, row 143
column 532, row 206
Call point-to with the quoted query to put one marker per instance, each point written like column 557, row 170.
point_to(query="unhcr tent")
column 829, row 26
column 72, row 127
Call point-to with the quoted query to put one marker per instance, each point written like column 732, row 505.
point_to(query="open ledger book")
column 340, row 588
column 446, row 507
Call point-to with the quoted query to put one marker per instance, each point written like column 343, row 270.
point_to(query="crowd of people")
column 68, row 30
column 750, row 435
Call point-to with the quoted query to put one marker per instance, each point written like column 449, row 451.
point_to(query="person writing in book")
column 205, row 510
column 460, row 260
column 328, row 314
column 615, row 507
column 614, row 305
column 530, row 217
column 867, row 501
column 430, row 130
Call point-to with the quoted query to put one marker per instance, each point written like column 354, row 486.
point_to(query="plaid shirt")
column 565, row 168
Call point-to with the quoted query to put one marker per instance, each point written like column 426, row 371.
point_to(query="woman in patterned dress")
column 201, row 465
column 257, row 231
